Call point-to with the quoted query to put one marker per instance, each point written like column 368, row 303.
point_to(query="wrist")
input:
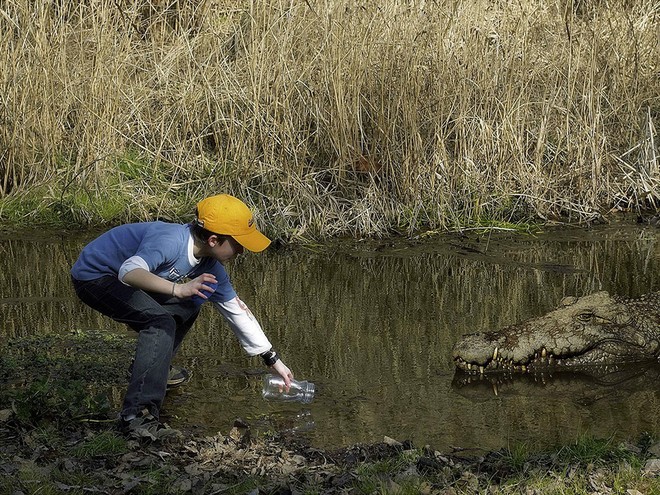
column 269, row 357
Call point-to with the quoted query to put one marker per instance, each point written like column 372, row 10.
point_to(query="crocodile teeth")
column 495, row 353
column 543, row 353
column 481, row 370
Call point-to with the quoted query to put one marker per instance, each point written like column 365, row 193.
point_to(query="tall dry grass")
column 334, row 117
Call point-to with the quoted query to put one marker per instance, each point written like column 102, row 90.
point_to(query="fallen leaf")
column 183, row 485
column 65, row 488
column 129, row 485
column 391, row 442
column 652, row 467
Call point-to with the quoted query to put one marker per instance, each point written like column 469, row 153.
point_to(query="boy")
column 134, row 274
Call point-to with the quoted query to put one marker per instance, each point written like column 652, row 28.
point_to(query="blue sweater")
column 165, row 247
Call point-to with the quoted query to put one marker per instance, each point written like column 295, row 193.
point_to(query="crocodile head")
column 591, row 330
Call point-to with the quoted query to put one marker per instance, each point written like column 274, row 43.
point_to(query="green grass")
column 588, row 449
column 62, row 378
column 105, row 443
column 516, row 456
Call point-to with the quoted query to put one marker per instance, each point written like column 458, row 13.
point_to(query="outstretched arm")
column 250, row 335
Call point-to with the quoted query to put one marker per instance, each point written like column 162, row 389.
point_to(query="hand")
column 195, row 287
column 284, row 372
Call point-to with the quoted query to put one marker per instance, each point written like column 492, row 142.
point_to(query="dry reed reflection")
column 373, row 326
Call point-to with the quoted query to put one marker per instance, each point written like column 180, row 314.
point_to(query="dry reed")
column 332, row 117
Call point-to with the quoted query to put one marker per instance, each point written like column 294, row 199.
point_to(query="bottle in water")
column 300, row 391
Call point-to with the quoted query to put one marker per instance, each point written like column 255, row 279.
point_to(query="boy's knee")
column 163, row 322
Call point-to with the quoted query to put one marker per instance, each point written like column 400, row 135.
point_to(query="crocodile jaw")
column 542, row 359
column 591, row 330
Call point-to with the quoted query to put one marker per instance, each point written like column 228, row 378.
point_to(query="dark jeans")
column 161, row 321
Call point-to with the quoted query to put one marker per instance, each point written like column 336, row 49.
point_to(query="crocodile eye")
column 585, row 317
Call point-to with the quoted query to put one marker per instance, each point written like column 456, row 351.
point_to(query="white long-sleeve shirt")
column 244, row 325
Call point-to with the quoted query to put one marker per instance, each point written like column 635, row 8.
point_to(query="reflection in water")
column 373, row 327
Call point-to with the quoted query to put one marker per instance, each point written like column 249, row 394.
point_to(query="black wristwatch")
column 270, row 357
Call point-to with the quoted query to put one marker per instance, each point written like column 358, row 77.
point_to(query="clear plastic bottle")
column 300, row 391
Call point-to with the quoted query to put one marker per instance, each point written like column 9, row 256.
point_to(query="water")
column 372, row 325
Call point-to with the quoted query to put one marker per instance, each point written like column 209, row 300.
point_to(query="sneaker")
column 145, row 426
column 176, row 377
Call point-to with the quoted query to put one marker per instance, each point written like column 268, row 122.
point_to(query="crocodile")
column 594, row 330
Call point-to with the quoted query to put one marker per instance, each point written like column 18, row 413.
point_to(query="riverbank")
column 57, row 436
column 508, row 114
column 87, row 459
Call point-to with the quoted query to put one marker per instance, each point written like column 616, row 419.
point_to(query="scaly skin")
column 596, row 329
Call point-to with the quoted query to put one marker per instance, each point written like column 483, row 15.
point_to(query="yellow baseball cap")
column 226, row 215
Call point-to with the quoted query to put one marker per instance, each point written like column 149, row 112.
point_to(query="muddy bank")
column 89, row 458
column 57, row 435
